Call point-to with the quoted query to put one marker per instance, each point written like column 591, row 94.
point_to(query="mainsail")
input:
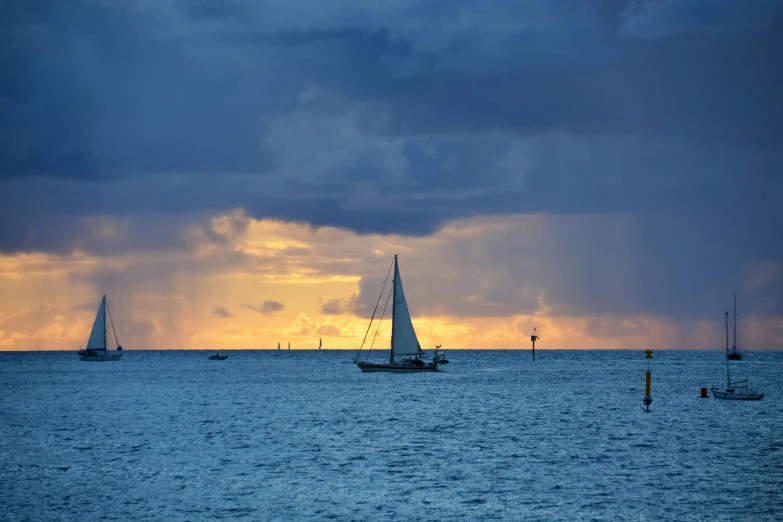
column 97, row 339
column 404, row 341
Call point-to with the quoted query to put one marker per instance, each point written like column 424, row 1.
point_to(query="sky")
column 238, row 173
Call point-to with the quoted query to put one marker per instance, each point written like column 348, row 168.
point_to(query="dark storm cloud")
column 339, row 114
column 398, row 117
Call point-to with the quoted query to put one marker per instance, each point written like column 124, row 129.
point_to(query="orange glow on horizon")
column 265, row 281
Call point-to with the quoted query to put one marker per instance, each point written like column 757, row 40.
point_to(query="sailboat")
column 278, row 346
column 289, row 345
column 735, row 390
column 320, row 343
column 734, row 354
column 96, row 344
column 405, row 352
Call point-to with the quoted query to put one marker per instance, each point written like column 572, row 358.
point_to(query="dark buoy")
column 534, row 338
column 704, row 394
column 648, row 379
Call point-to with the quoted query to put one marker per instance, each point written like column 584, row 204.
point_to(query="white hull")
column 736, row 395
column 101, row 357
column 394, row 368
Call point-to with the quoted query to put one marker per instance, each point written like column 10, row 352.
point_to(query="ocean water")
column 304, row 435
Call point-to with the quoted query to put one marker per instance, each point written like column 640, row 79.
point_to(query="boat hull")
column 101, row 357
column 736, row 396
column 393, row 368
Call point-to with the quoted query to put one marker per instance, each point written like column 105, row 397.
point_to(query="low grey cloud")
column 338, row 306
column 222, row 311
column 267, row 307
column 551, row 265
column 329, row 330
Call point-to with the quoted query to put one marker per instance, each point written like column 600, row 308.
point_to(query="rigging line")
column 388, row 297
column 112, row 323
column 374, row 311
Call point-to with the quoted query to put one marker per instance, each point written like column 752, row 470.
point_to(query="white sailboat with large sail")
column 405, row 353
column 96, row 344
column 735, row 390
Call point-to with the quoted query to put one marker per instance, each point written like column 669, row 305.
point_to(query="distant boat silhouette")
column 96, row 344
column 289, row 345
column 218, row 357
column 320, row 344
column 278, row 346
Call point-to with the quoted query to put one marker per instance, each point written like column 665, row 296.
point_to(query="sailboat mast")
column 104, row 323
column 728, row 379
column 394, row 304
column 735, row 324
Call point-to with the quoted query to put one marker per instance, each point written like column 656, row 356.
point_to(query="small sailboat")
column 278, row 346
column 735, row 390
column 218, row 357
column 405, row 354
column 289, row 345
column 96, row 344
column 320, row 343
column 735, row 354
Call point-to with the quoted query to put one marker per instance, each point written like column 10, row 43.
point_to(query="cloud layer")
column 385, row 117
column 482, row 282
column 574, row 159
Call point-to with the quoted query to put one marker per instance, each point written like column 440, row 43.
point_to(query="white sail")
column 97, row 339
column 404, row 340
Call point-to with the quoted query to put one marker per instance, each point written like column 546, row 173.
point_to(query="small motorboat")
column 439, row 358
column 218, row 357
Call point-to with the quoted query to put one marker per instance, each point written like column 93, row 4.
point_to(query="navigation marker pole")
column 534, row 338
column 647, row 397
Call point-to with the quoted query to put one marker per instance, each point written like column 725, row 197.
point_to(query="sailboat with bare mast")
column 734, row 354
column 405, row 353
column 96, row 344
column 735, row 390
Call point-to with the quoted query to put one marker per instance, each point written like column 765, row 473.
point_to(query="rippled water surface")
column 266, row 435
